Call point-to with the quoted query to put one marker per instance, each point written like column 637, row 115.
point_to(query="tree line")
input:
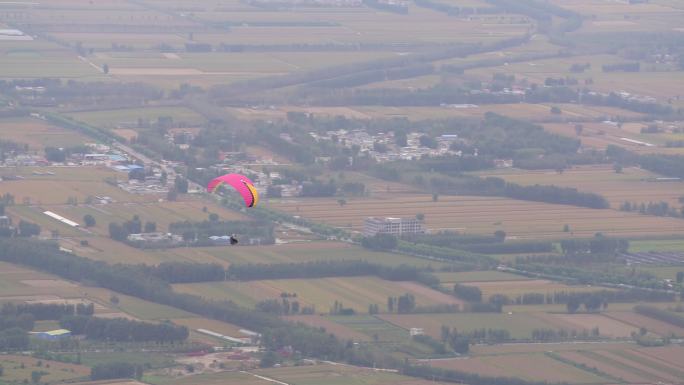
column 112, row 370
column 47, row 311
column 668, row 165
column 121, row 329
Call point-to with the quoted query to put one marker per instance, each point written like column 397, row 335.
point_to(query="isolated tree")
column 172, row 195
column 150, row 227
column 573, row 305
column 500, row 235
column 36, row 376
column 435, row 197
column 105, row 68
column 617, row 167
column 114, row 300
column 341, row 202
column 181, row 185
column 420, row 216
column 213, row 217
column 578, row 129
column 89, row 220
column 556, row 111
column 566, row 228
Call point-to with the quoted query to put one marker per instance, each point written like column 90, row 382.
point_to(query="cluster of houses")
column 382, row 146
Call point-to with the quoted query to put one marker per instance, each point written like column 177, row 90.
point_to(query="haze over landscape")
column 479, row 192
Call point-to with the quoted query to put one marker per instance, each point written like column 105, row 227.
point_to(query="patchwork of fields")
column 483, row 215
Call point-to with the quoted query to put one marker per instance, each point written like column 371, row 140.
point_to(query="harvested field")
column 613, row 370
column 337, row 329
column 484, row 215
column 114, row 119
column 478, row 277
column 126, row 133
column 651, row 324
column 601, row 135
column 309, row 251
column 49, row 191
column 19, row 283
column 633, row 185
column 521, row 366
column 519, row 325
column 304, row 375
column 541, row 348
column 135, row 307
column 38, row 134
column 513, row 289
column 673, row 355
column 608, row 327
column 352, row 292
column 48, row 283
column 649, row 368
column 373, row 327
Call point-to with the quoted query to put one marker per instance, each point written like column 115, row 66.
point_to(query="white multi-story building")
column 394, row 226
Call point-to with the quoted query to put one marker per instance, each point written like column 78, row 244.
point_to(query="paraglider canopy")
column 240, row 183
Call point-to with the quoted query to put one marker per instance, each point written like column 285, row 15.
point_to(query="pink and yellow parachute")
column 241, row 183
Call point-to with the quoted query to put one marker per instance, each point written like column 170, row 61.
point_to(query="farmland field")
column 18, row 369
column 353, row 292
column 607, row 326
column 484, row 215
column 600, row 135
column 651, row 324
column 38, row 134
column 373, row 327
column 41, row 64
column 127, row 117
column 478, row 276
column 305, row 252
column 531, row 367
column 336, row 328
column 519, row 325
column 516, row 288
column 632, row 185
column 302, row 375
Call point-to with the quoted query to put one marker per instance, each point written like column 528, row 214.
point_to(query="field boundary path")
column 265, row 378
